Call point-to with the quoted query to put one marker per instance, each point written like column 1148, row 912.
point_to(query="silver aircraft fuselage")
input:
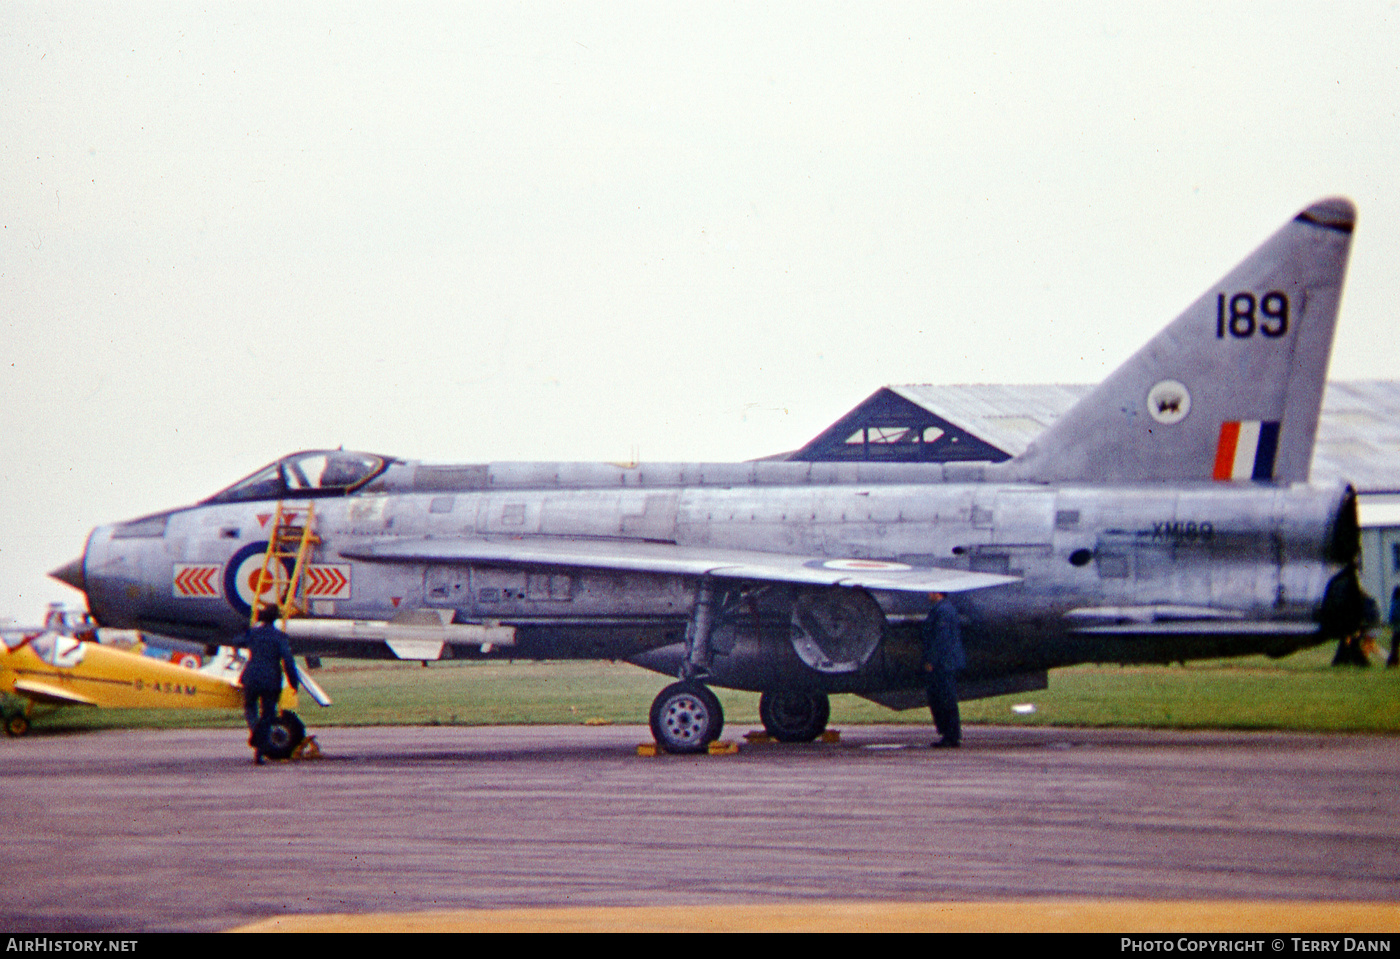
column 1130, row 573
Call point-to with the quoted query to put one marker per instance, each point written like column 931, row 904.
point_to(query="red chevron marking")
column 328, row 582
column 196, row 581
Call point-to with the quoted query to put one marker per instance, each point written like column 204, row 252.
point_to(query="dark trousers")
column 260, row 704
column 943, row 703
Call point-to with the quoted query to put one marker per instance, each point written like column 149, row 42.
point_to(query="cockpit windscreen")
column 316, row 473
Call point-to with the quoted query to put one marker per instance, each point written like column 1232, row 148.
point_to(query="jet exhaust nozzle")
column 72, row 574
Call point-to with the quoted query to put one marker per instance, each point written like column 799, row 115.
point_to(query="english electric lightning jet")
column 1165, row 517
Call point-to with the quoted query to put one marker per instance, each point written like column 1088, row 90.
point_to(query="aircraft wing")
column 50, row 695
column 670, row 559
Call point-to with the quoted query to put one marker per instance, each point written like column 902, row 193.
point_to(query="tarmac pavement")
column 177, row 830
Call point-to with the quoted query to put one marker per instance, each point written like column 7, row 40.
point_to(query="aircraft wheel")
column 278, row 738
column 686, row 717
column 16, row 725
column 794, row 717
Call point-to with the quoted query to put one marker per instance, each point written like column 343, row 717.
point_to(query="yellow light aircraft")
column 55, row 666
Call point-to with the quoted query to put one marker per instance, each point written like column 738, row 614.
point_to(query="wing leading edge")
column 667, row 559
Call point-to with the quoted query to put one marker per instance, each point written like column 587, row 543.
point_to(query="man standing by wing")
column 943, row 660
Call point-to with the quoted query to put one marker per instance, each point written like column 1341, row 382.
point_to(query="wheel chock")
column 720, row 748
column 307, row 749
column 760, row 738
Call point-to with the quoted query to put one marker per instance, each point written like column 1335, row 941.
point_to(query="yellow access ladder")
column 293, row 538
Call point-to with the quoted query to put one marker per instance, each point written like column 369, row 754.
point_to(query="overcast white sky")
column 475, row 231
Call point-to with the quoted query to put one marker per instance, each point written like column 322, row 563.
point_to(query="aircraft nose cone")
column 72, row 574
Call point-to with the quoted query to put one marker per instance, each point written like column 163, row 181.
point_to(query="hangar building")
column 1358, row 442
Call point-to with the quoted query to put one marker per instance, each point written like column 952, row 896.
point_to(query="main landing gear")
column 686, row 717
column 794, row 717
column 16, row 719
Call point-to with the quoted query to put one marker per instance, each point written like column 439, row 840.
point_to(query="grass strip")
column 1302, row 692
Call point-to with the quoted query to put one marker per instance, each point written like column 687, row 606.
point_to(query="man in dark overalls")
column 269, row 655
column 1393, row 619
column 943, row 660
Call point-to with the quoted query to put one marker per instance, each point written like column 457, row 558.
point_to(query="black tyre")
column 16, row 725
column 794, row 717
column 280, row 737
column 686, row 717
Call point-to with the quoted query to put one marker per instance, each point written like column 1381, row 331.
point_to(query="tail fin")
column 1231, row 390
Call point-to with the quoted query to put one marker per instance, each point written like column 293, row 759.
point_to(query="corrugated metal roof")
column 1358, row 437
column 1006, row 415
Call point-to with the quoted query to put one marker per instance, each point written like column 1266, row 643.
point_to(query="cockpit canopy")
column 302, row 475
